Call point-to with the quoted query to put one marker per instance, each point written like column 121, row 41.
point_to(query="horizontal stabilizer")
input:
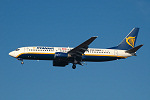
column 133, row 50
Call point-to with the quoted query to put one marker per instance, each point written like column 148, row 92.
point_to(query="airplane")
column 62, row 56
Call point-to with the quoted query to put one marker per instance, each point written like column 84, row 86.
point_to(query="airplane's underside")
column 84, row 58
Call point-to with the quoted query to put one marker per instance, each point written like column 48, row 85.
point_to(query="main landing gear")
column 22, row 62
column 74, row 66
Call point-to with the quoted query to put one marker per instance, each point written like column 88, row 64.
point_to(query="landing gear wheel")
column 22, row 62
column 74, row 67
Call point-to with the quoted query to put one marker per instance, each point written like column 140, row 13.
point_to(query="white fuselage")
column 48, row 53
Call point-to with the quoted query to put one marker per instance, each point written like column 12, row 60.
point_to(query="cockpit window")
column 17, row 49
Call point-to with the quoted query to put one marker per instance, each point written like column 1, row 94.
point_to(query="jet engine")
column 61, row 59
column 61, row 55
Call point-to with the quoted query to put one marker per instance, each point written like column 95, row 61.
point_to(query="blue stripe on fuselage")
column 37, row 56
column 51, row 57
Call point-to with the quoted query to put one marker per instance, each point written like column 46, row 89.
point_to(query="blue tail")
column 129, row 41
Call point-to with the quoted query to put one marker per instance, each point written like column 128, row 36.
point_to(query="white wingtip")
column 95, row 36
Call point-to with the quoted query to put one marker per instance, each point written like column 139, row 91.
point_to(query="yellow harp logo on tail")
column 130, row 41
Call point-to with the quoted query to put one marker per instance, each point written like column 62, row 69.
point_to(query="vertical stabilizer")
column 129, row 41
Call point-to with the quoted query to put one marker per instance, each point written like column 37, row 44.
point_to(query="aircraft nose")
column 12, row 54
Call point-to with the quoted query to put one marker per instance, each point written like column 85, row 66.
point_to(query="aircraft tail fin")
column 129, row 41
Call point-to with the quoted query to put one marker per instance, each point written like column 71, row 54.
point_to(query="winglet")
column 95, row 36
column 89, row 41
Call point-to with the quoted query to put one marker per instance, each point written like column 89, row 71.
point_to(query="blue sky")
column 69, row 23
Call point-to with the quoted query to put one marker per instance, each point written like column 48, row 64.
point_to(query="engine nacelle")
column 60, row 63
column 61, row 59
column 61, row 55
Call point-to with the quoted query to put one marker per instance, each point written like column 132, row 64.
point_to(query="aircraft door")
column 26, row 49
column 115, row 52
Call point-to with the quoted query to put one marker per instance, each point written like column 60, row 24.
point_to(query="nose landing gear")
column 74, row 66
column 21, row 61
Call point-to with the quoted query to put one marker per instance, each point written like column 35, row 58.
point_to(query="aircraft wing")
column 80, row 49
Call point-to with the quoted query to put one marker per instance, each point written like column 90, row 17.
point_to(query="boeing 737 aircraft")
column 62, row 56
